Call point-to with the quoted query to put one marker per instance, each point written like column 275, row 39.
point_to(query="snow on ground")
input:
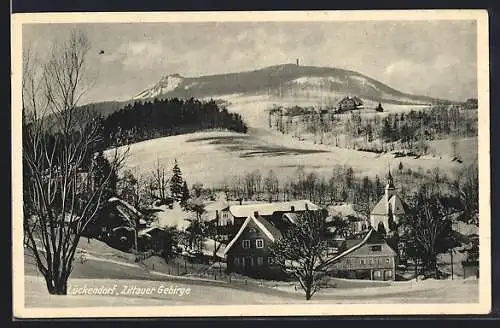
column 316, row 80
column 176, row 293
column 100, row 270
column 215, row 158
column 175, row 217
column 465, row 229
column 200, row 294
column 466, row 148
column 452, row 290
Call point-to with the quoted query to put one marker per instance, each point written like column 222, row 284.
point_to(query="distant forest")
column 408, row 131
column 160, row 118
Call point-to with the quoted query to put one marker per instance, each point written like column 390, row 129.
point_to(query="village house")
column 365, row 256
column 248, row 252
column 151, row 238
column 114, row 214
column 390, row 208
column 280, row 214
column 349, row 103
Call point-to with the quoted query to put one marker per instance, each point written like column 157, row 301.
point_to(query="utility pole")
column 451, row 255
column 416, row 269
column 135, row 237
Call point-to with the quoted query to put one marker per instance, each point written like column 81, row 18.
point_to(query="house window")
column 371, row 261
column 387, row 260
column 362, row 261
column 246, row 243
column 252, row 230
column 376, row 248
column 260, row 260
column 237, row 261
column 377, row 274
column 388, row 273
column 259, row 243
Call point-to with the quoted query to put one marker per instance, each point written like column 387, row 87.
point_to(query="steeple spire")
column 390, row 180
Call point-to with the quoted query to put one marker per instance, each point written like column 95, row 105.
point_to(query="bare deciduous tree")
column 59, row 139
column 160, row 181
column 467, row 186
column 429, row 231
column 302, row 252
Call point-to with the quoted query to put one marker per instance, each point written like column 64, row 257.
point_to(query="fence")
column 215, row 271
column 147, row 254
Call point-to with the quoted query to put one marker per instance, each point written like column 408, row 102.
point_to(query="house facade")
column 365, row 256
column 389, row 208
column 248, row 252
column 349, row 103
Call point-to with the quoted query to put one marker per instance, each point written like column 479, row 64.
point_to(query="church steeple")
column 390, row 181
column 389, row 188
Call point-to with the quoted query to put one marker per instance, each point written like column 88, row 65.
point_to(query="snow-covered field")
column 215, row 158
column 163, row 293
column 466, row 148
column 104, row 268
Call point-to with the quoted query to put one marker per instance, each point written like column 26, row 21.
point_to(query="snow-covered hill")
column 167, row 84
column 287, row 80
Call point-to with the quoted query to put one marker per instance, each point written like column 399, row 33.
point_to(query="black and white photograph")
column 250, row 163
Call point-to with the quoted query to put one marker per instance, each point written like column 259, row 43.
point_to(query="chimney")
column 297, row 62
column 292, row 208
column 241, row 200
column 256, row 214
column 307, row 207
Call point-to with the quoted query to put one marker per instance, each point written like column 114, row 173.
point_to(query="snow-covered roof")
column 343, row 210
column 382, row 209
column 247, row 210
column 125, row 204
column 351, row 249
column 265, row 226
column 352, row 245
column 292, row 217
column 148, row 230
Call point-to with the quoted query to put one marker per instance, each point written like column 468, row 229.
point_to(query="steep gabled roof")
column 291, row 217
column 265, row 226
column 352, row 247
column 115, row 200
column 247, row 210
column 276, row 234
column 382, row 209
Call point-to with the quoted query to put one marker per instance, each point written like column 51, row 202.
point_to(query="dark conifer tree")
column 185, row 194
column 176, row 183
column 101, row 169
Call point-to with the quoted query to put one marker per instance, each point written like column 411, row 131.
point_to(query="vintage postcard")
column 250, row 164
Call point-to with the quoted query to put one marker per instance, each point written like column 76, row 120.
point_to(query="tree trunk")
column 57, row 286
column 308, row 293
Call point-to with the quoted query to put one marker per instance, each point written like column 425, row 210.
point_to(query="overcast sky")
column 434, row 58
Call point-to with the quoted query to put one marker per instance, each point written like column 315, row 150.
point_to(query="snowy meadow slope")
column 214, row 157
